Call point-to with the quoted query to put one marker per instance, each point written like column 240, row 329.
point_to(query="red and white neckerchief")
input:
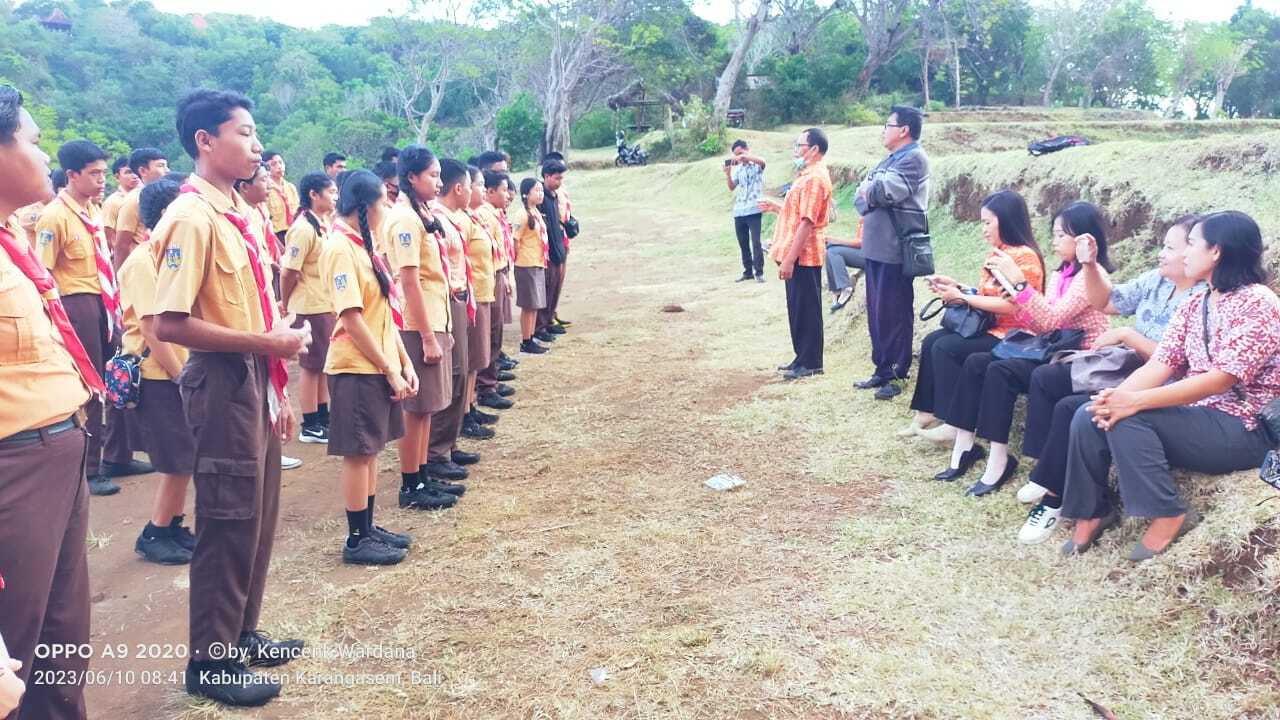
column 24, row 258
column 380, row 267
column 284, row 200
column 277, row 369
column 273, row 242
column 542, row 234
column 508, row 236
column 441, row 212
column 494, row 246
column 106, row 274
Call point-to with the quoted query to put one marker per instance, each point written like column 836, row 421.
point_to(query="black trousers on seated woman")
column 942, row 356
column 987, row 391
column 1051, row 403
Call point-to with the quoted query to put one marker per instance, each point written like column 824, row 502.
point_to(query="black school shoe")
column 476, row 431
column 229, row 683
column 483, row 418
column 968, row 459
column 495, row 401
column 372, row 552
column 133, row 467
column 400, row 541
column 556, row 329
column 425, row 498
column 261, row 651
column 798, row 373
column 888, row 391
column 455, row 490
column 544, row 336
column 506, row 390
column 182, row 534
column 529, row 347
column 506, row 376
column 158, row 545
column 506, row 366
column 446, row 470
column 102, row 485
column 462, row 457
column 505, row 359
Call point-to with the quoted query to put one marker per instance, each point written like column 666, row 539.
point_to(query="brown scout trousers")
column 89, row 318
column 44, row 518
column 237, row 483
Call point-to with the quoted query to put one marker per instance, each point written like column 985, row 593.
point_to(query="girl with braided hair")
column 369, row 370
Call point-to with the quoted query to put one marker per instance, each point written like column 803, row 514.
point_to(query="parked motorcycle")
column 629, row 154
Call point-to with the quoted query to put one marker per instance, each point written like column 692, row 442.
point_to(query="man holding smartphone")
column 744, row 173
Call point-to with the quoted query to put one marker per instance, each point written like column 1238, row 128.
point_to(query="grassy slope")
column 953, row 617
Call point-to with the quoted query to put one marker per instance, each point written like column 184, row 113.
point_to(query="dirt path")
column 586, row 540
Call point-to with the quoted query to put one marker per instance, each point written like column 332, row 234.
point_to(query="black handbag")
column 1022, row 345
column 960, row 318
column 1268, row 416
column 917, row 249
column 571, row 228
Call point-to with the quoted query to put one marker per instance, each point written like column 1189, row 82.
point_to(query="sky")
column 309, row 13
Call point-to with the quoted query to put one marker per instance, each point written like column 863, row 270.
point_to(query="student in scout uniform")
column 492, row 214
column 149, row 165
column 506, row 362
column 553, row 171
column 532, row 257
column 214, row 297
column 447, row 425
column 415, row 248
column 169, row 440
column 334, row 165
column 369, row 370
column 70, row 242
column 569, row 227
column 390, row 177
column 45, row 377
column 306, row 295
column 126, row 181
column 283, row 201
column 482, row 243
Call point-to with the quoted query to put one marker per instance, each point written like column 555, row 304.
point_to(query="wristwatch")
column 1019, row 286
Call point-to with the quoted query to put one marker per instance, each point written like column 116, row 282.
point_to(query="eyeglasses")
column 889, row 125
column 800, row 145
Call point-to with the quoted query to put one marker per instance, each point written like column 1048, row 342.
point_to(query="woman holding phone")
column 1006, row 226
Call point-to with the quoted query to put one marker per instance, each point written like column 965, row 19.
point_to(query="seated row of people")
column 1202, row 354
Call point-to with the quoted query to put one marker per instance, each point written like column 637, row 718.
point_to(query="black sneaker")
column 400, row 541
column 462, row 457
column 506, row 376
column 529, row 347
column 157, row 545
column 476, row 431
column 483, row 418
column 261, row 651
column 182, row 534
column 446, row 470
column 371, row 552
column 556, row 330
column 495, row 401
column 447, row 488
column 424, row 498
column 506, row 390
column 102, row 485
column 229, row 683
column 314, row 434
column 544, row 336
column 133, row 467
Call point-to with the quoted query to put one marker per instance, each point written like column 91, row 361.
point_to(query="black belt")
column 460, row 296
column 27, row 436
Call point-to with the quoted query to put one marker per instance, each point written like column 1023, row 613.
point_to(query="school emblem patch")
column 406, row 239
column 293, row 251
column 45, row 237
column 340, row 282
column 173, row 258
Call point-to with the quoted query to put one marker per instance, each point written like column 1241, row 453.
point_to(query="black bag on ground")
column 960, row 318
column 1022, row 345
column 1053, row 145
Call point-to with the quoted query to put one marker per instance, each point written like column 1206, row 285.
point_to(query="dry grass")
column 837, row 584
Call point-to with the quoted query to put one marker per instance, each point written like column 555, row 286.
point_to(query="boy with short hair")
column 149, row 165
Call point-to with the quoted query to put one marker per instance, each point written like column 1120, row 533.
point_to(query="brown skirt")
column 362, row 416
column 478, row 338
column 435, row 382
column 166, row 437
column 502, row 298
column 461, row 328
column 531, row 288
column 322, row 325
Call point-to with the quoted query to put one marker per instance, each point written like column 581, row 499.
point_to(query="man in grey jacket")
column 894, row 202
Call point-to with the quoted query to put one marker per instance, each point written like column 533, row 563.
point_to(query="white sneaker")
column 1030, row 493
column 289, row 463
column 1040, row 524
column 943, row 434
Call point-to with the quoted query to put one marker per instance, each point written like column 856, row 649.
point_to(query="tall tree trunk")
column 729, row 77
column 1046, row 98
column 924, row 74
column 955, row 59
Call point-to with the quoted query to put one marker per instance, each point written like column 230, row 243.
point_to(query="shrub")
column 861, row 115
column 593, row 130
column 520, row 129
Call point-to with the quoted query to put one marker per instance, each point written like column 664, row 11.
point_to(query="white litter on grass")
column 725, row 481
column 599, row 675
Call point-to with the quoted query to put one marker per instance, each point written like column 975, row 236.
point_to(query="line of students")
column 1201, row 361
column 399, row 308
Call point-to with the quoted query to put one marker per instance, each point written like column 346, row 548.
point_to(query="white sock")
column 997, row 461
column 964, row 443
